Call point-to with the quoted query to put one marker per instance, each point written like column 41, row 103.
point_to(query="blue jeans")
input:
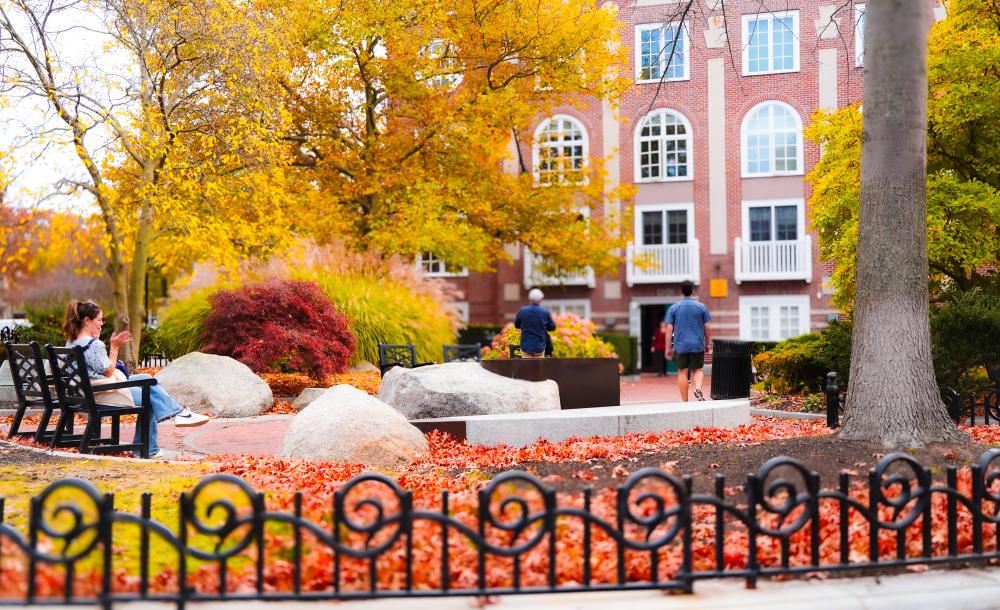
column 164, row 407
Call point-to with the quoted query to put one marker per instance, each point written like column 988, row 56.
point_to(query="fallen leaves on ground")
column 292, row 384
column 435, row 472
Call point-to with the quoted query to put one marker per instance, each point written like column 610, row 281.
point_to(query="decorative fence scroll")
column 519, row 536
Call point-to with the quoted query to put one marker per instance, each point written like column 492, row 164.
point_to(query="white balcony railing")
column 532, row 277
column 663, row 264
column 773, row 260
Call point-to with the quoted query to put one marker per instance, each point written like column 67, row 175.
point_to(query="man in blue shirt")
column 687, row 322
column 534, row 320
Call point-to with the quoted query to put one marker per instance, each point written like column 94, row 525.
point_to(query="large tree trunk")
column 893, row 397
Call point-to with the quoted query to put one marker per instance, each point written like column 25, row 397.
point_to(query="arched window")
column 772, row 140
column 560, row 150
column 663, row 147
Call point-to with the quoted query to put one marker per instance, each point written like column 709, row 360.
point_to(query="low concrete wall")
column 521, row 429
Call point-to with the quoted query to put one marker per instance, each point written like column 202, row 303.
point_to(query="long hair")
column 76, row 312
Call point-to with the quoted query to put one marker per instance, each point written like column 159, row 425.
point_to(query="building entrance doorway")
column 650, row 316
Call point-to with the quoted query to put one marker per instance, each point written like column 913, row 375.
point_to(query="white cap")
column 535, row 295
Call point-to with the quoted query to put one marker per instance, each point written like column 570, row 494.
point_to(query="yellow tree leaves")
column 405, row 114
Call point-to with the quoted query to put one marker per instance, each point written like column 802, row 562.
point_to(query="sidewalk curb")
column 96, row 456
column 786, row 414
column 967, row 589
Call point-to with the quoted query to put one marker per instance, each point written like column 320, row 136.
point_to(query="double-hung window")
column 662, row 52
column 578, row 307
column 773, row 318
column 773, row 221
column 436, row 267
column 664, row 225
column 772, row 140
column 770, row 43
column 663, row 147
column 444, row 70
column 560, row 150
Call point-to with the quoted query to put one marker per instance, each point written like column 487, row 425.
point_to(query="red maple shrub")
column 280, row 326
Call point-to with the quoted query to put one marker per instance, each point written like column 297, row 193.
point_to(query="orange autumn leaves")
column 458, row 468
column 291, row 384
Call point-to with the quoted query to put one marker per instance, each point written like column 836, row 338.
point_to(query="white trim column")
column 717, row 199
column 827, row 79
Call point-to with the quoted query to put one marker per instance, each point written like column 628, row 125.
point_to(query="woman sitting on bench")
column 82, row 327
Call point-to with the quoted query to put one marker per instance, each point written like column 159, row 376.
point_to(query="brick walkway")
column 263, row 435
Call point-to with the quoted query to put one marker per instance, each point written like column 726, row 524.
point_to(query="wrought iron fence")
column 962, row 408
column 519, row 536
column 154, row 360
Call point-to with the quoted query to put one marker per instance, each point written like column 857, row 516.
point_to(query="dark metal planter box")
column 583, row 382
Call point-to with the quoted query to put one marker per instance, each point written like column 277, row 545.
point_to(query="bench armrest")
column 136, row 383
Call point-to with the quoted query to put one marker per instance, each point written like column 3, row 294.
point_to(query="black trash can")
column 731, row 369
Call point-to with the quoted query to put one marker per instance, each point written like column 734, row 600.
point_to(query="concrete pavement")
column 971, row 589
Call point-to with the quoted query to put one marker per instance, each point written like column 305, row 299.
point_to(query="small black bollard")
column 832, row 401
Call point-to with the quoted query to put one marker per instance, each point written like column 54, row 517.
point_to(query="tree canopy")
column 963, row 157
column 405, row 114
column 216, row 130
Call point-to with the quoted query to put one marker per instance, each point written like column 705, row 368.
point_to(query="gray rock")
column 461, row 389
column 345, row 424
column 206, row 383
column 306, row 396
column 362, row 367
column 7, row 393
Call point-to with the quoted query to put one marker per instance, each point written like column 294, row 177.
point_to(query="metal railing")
column 663, row 264
column 962, row 408
column 154, row 360
column 518, row 536
column 773, row 260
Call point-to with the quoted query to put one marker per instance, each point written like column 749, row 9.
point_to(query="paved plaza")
column 263, row 435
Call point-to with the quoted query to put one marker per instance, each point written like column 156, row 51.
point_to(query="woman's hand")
column 120, row 339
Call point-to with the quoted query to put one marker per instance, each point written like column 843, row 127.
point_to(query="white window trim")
column 744, row 152
column 800, row 214
column 859, row 36
column 420, row 265
column 533, row 278
column 636, row 149
column 796, row 66
column 462, row 307
column 535, row 147
column 774, row 302
column 662, row 207
column 551, row 304
column 643, row 27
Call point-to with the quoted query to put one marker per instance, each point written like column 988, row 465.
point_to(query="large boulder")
column 462, row 389
column 206, row 383
column 345, row 424
column 306, row 396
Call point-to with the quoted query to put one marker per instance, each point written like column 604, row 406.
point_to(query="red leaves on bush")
column 281, row 326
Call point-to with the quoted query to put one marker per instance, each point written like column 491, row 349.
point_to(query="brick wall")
column 800, row 90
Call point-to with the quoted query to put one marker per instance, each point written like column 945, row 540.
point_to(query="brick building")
column 713, row 143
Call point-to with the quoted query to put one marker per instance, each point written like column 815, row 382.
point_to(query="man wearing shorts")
column 687, row 322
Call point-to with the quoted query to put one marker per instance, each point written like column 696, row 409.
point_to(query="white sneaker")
column 187, row 419
column 161, row 454
column 699, row 394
